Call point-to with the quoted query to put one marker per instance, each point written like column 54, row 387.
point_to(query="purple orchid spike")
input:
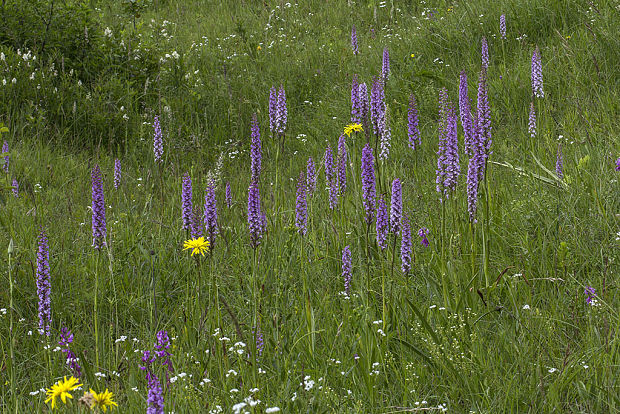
column 44, row 285
column 368, row 183
column 301, row 206
column 186, row 201
column 413, row 131
column 405, row 245
column 537, row 76
column 210, row 214
column 346, row 269
column 98, row 209
column 158, row 146
column 117, row 173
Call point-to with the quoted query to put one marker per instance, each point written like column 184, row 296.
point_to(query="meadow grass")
column 521, row 338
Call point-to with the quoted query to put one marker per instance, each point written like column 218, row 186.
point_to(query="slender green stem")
column 11, row 334
column 95, row 315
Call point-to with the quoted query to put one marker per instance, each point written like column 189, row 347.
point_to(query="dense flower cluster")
column 98, row 209
column 369, row 192
column 44, row 285
column 537, row 77
column 412, row 118
column 301, row 206
column 186, row 201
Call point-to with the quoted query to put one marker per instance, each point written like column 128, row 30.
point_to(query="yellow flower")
column 61, row 389
column 258, row 47
column 352, row 127
column 413, row 55
column 199, row 245
column 103, row 400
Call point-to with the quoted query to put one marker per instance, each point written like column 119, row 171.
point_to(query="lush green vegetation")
column 491, row 318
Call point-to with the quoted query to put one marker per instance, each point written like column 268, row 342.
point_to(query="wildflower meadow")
column 314, row 206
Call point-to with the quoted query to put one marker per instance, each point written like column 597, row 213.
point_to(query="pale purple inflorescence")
column 465, row 112
column 532, row 121
column 617, row 165
column 356, row 108
column 15, row 188
column 273, row 109
column 364, row 108
column 385, row 67
column 591, row 292
column 405, row 245
column 44, row 284
column 228, row 195
column 377, row 105
column 502, row 26
column 354, row 41
column 155, row 398
column 330, row 177
column 412, row 117
column 5, row 149
column 448, row 167
column 485, row 54
column 260, row 342
column 281, row 111
column 66, row 338
column 98, row 209
column 342, row 165
column 385, row 135
column 396, row 206
column 255, row 150
column 559, row 163
column 301, row 206
column 483, row 118
column 186, row 201
column 210, row 217
column 382, row 223
column 346, row 269
column 257, row 223
column 310, row 176
column 537, row 77
column 369, row 192
column 117, row 173
column 162, row 347
column 158, row 146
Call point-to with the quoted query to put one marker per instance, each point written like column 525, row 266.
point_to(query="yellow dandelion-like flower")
column 61, row 389
column 413, row 55
column 199, row 245
column 103, row 400
column 258, row 47
column 352, row 127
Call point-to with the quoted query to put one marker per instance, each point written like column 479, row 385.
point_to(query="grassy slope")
column 494, row 356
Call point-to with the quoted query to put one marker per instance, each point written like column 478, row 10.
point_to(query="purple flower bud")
column 354, row 41
column 273, row 109
column 423, row 233
column 368, row 183
column 617, row 166
column 228, row 195
column 255, row 150
column 385, row 68
column 5, row 149
column 559, row 169
column 485, row 54
column 413, row 132
column 210, row 217
column 346, row 269
column 15, row 188
column 465, row 112
column 301, row 206
column 256, row 220
column 537, row 77
column 117, row 173
column 186, row 202
column 44, row 285
column 532, row 121
column 98, row 209
column 310, row 176
column 405, row 245
column 342, row 165
column 356, row 109
column 591, row 292
column 158, row 147
column 396, row 208
column 502, row 26
column 382, row 223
